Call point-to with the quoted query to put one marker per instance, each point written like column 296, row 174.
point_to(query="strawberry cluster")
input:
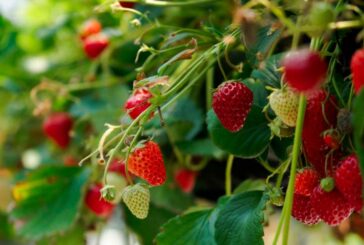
column 94, row 42
column 331, row 199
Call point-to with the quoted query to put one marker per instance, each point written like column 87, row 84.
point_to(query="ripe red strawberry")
column 126, row 4
column 96, row 203
column 349, row 182
column 138, row 102
column 330, row 206
column 357, row 68
column 89, row 28
column 58, row 127
column 232, row 102
column 317, row 121
column 147, row 163
column 95, row 45
column 303, row 211
column 117, row 166
column 304, row 70
column 284, row 103
column 185, row 179
column 306, row 181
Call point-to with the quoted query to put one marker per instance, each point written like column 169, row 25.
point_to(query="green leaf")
column 6, row 230
column 183, row 120
column 249, row 142
column 250, row 185
column 192, row 228
column 358, row 120
column 240, row 221
column 260, row 94
column 266, row 37
column 201, row 147
column 170, row 198
column 48, row 200
column 268, row 72
column 195, row 227
column 148, row 228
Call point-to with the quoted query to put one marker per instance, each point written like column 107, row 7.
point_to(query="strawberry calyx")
column 327, row 184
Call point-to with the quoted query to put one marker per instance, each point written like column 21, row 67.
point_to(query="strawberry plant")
column 182, row 122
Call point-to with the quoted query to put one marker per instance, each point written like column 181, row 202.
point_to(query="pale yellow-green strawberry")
column 284, row 103
column 136, row 198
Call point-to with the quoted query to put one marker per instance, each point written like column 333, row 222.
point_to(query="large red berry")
column 357, row 69
column 138, row 102
column 95, row 45
column 320, row 116
column 185, row 179
column 96, row 203
column 126, row 4
column 304, row 70
column 306, row 181
column 58, row 127
column 349, row 182
column 232, row 102
column 147, row 163
column 330, row 206
column 303, row 211
column 89, row 28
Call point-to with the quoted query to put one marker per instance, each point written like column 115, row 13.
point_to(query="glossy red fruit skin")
column 57, row 127
column 306, row 181
column 315, row 124
column 232, row 102
column 138, row 102
column 96, row 203
column 304, row 70
column 331, row 206
column 349, row 182
column 147, row 163
column 303, row 211
column 94, row 45
column 357, row 69
column 126, row 4
column 185, row 179
column 118, row 166
column 90, row 28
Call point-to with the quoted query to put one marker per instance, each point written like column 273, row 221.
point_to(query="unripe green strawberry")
column 284, row 103
column 137, row 198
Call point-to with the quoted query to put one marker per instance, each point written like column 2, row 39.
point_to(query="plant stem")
column 229, row 166
column 209, row 87
column 279, row 227
column 295, row 154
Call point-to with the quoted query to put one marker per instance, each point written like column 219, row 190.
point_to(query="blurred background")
column 46, row 67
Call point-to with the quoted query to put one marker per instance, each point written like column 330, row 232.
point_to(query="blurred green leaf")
column 170, row 198
column 268, row 72
column 201, row 147
column 259, row 92
column 183, row 120
column 148, row 228
column 250, row 185
column 266, row 37
column 358, row 120
column 6, row 230
column 241, row 219
column 249, row 142
column 48, row 200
